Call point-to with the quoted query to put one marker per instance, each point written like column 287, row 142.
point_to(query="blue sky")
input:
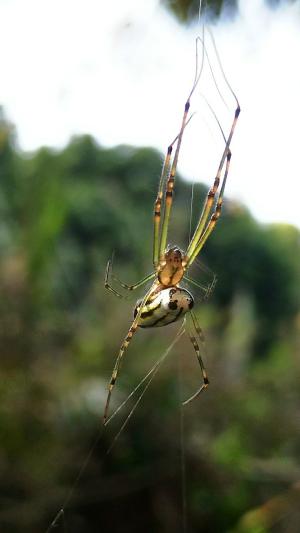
column 122, row 70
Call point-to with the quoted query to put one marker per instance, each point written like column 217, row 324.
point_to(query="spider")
column 166, row 301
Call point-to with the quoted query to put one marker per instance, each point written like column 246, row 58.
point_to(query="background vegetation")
column 63, row 213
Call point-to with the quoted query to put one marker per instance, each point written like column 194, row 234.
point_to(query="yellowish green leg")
column 170, row 184
column 195, row 344
column 207, row 289
column 123, row 348
column 212, row 192
column 110, row 288
column 158, row 206
column 214, row 218
column 161, row 230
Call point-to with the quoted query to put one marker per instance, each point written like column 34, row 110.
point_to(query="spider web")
column 141, row 388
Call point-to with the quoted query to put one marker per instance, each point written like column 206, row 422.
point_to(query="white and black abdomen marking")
column 166, row 306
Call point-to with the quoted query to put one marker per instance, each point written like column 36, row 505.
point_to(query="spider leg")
column 195, row 344
column 159, row 200
column 226, row 156
column 207, row 289
column 158, row 204
column 160, row 245
column 110, row 288
column 211, row 287
column 170, row 184
column 214, row 217
column 132, row 330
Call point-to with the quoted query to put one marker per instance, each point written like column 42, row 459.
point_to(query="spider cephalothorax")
column 171, row 267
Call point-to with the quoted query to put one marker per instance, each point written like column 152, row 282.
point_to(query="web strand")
column 182, row 451
column 146, row 381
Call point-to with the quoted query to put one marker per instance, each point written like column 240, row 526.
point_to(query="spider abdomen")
column 164, row 307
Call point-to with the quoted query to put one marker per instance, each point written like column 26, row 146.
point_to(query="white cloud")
column 122, row 70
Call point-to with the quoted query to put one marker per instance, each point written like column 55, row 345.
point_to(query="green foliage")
column 186, row 10
column 62, row 214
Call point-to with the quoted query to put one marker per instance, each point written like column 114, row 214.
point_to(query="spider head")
column 173, row 255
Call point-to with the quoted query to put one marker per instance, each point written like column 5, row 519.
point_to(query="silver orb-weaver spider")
column 166, row 301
